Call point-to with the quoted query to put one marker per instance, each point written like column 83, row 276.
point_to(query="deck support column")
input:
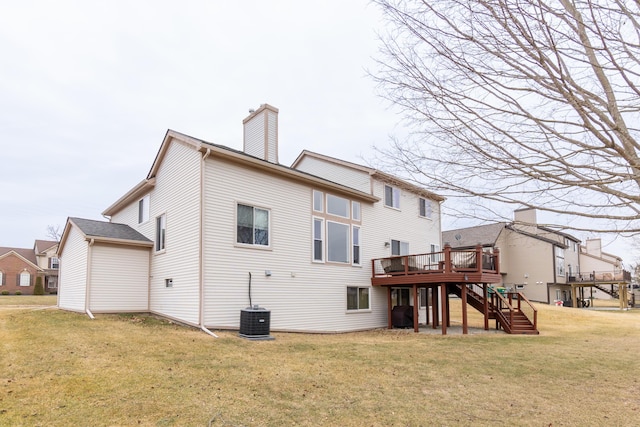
column 445, row 313
column 463, row 293
column 485, row 296
column 389, row 322
column 415, row 308
column 435, row 307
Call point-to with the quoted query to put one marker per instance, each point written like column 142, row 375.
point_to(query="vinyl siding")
column 119, row 279
column 254, row 136
column 72, row 275
column 532, row 258
column 272, row 137
column 302, row 295
column 337, row 173
column 177, row 195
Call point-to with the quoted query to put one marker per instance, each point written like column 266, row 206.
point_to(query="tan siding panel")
column 73, row 272
column 337, row 173
column 120, row 277
column 302, row 296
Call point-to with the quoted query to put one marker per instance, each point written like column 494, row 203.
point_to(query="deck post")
column 485, row 295
column 445, row 313
column 479, row 258
column 415, row 308
column 426, row 291
column 463, row 293
column 496, row 259
column 389, row 322
column 435, row 307
column 447, row 258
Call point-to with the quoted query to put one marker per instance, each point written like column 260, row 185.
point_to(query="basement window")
column 357, row 298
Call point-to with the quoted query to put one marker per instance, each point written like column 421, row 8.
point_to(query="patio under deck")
column 467, row 273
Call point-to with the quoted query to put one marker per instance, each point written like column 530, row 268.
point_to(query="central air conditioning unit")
column 255, row 323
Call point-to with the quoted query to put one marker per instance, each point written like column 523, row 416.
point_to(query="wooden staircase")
column 611, row 292
column 512, row 319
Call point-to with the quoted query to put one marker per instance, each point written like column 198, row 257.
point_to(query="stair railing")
column 504, row 311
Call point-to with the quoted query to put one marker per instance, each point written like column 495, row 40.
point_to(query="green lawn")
column 63, row 369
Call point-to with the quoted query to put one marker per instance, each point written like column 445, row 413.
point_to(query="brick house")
column 19, row 270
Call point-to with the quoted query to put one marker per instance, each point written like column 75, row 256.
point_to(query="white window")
column 399, row 248
column 1, row 278
column 54, row 262
column 355, row 242
column 143, row 209
column 337, row 242
column 318, row 244
column 317, row 201
column 337, row 206
column 435, row 256
column 25, row 278
column 355, row 211
column 357, row 298
column 425, row 208
column 252, row 226
column 392, row 196
column 161, row 229
column 52, row 283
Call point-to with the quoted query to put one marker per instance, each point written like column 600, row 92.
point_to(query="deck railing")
column 446, row 261
column 600, row 276
column 509, row 303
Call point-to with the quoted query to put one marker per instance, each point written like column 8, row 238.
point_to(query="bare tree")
column 529, row 103
column 54, row 232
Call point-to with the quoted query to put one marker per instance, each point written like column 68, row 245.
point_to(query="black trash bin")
column 402, row 316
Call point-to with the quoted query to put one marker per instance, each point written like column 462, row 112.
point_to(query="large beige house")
column 534, row 260
column 211, row 230
column 544, row 264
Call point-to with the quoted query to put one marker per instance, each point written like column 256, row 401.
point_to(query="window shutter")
column 31, row 281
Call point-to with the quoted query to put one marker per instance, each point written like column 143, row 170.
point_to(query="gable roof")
column 27, row 255
column 485, row 235
column 383, row 176
column 236, row 156
column 104, row 232
column 41, row 246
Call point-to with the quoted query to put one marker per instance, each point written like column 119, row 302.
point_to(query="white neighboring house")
column 211, row 230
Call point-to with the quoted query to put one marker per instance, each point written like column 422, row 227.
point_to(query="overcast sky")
column 88, row 90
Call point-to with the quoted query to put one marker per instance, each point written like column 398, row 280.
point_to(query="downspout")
column 86, row 296
column 201, row 248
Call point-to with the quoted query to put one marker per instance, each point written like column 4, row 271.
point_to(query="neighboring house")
column 599, row 266
column 212, row 230
column 46, row 255
column 18, row 270
column 534, row 260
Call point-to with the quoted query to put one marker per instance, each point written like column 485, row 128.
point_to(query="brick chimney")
column 261, row 133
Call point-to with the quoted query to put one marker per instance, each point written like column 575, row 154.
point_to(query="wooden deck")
column 448, row 266
column 466, row 273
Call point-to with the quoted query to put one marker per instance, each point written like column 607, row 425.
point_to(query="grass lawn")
column 63, row 369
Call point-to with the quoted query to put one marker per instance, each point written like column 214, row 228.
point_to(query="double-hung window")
column 252, row 226
column 161, row 229
column 318, row 239
column 54, row 262
column 143, row 209
column 425, row 208
column 355, row 243
column 392, row 197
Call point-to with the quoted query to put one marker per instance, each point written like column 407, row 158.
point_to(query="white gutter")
column 90, row 314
